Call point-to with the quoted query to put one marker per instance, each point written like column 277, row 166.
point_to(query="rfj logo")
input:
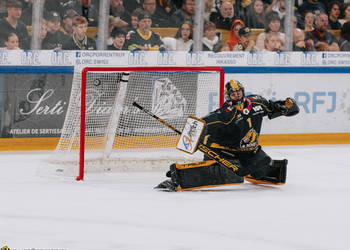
column 167, row 101
column 194, row 58
column 4, row 57
column 30, row 57
column 282, row 58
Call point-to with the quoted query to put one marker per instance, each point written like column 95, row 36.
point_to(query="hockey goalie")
column 231, row 133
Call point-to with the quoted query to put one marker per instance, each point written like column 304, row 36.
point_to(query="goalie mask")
column 233, row 86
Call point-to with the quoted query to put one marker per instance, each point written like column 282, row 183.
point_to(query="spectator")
column 334, row 14
column 256, row 15
column 86, row 9
column 184, row 37
column 185, row 13
column 12, row 42
column 134, row 19
column 144, row 38
column 320, row 39
column 312, row 5
column 131, row 5
column 12, row 24
column 344, row 41
column 240, row 7
column 208, row 9
column 278, row 6
column 309, row 21
column 299, row 40
column 26, row 16
column 118, row 36
column 117, row 10
column 67, row 27
column 245, row 42
column 3, row 12
column 234, row 36
column 224, row 17
column 79, row 40
column 273, row 42
column 182, row 40
column 166, row 6
column 273, row 25
column 159, row 19
column 210, row 39
column 55, row 38
column 221, row 47
column 346, row 13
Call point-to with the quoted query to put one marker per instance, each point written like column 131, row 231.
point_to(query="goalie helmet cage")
column 102, row 130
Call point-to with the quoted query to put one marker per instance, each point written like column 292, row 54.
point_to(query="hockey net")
column 103, row 131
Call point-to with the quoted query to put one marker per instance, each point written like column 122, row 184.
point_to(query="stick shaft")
column 216, row 156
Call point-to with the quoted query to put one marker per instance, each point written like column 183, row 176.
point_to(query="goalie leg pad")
column 275, row 175
column 202, row 175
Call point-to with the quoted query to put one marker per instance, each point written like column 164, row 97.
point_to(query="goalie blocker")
column 232, row 131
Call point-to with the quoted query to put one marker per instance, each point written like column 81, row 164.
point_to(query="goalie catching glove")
column 287, row 107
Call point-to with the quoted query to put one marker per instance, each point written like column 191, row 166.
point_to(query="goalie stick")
column 212, row 154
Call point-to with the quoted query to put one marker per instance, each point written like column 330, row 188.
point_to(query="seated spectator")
column 273, row 43
column 312, row 5
column 344, row 41
column 12, row 42
column 112, row 23
column 182, row 40
column 273, row 25
column 246, row 43
column 234, row 36
column 55, row 38
column 118, row 36
column 86, row 9
column 159, row 19
column 210, row 39
column 12, row 24
column 67, row 26
column 334, row 15
column 309, row 21
column 320, row 39
column 256, row 15
column 346, row 14
column 3, row 12
column 144, row 38
column 79, row 40
column 224, row 17
column 131, row 5
column 117, row 10
column 184, row 14
column 221, row 47
column 240, row 7
column 299, row 40
column 166, row 7
column 278, row 6
column 134, row 19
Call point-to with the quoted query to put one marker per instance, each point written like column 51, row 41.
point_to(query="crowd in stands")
column 319, row 25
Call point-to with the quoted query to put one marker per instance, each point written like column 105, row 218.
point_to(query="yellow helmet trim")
column 234, row 85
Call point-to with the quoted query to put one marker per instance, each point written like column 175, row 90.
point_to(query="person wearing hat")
column 55, row 38
column 118, row 36
column 245, row 42
column 144, row 38
column 67, row 22
column 12, row 24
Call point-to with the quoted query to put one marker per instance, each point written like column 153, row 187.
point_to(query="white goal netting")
column 117, row 135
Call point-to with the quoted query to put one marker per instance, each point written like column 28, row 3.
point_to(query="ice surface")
column 122, row 211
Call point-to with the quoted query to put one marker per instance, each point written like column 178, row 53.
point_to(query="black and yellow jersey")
column 238, row 130
column 135, row 39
